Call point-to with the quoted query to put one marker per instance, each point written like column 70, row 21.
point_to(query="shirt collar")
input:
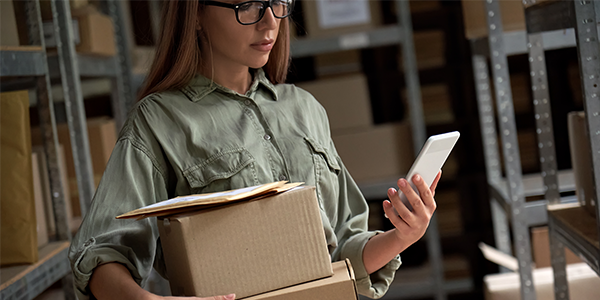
column 200, row 86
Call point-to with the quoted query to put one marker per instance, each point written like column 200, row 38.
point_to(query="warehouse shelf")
column 573, row 227
column 28, row 281
column 89, row 66
column 550, row 25
column 22, row 61
column 576, row 229
column 399, row 34
column 388, row 35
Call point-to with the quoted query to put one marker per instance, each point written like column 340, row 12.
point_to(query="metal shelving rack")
column 391, row 35
column 507, row 194
column 27, row 282
column 571, row 227
column 30, row 281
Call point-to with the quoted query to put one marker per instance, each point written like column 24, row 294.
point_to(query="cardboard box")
column 430, row 49
column 8, row 23
column 540, row 245
column 583, row 284
column 581, row 158
column 102, row 135
column 246, row 248
column 334, row 17
column 46, row 8
column 379, row 152
column 40, row 212
column 18, row 229
column 340, row 286
column 338, row 63
column 346, row 100
column 437, row 104
column 474, row 16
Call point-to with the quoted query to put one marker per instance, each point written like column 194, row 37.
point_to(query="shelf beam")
column 22, row 63
column 378, row 37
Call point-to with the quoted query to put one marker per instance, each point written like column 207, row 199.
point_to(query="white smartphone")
column 430, row 160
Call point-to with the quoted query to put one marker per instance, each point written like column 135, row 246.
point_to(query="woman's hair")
column 178, row 52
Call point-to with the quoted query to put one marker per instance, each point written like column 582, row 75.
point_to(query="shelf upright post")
column 545, row 137
column 492, row 158
column 510, row 147
column 123, row 94
column 417, row 120
column 45, row 107
column 76, row 118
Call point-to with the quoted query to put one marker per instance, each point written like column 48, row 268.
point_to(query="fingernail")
column 392, row 191
column 402, row 183
column 230, row 297
column 417, row 178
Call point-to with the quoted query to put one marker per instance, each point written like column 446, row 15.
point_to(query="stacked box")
column 475, row 18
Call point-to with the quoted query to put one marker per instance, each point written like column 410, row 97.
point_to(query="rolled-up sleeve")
column 132, row 179
column 353, row 235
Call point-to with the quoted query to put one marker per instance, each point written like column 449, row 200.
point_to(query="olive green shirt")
column 207, row 138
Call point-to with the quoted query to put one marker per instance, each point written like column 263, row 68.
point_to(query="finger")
column 226, row 297
column 411, row 195
column 401, row 209
column 435, row 182
column 392, row 215
column 426, row 196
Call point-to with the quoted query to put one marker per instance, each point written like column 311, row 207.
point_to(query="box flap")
column 194, row 202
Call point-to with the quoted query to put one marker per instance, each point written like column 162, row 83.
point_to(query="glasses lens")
column 282, row 8
column 249, row 12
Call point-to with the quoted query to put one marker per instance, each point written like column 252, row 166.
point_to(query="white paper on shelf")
column 337, row 13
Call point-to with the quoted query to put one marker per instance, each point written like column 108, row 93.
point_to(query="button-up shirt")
column 207, row 138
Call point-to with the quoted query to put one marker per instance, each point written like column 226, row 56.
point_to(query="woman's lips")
column 264, row 45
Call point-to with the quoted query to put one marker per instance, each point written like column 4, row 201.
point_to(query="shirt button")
column 267, row 137
column 282, row 177
column 248, row 102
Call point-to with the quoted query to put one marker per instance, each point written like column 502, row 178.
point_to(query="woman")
column 216, row 115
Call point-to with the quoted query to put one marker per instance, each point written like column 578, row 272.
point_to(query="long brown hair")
column 178, row 52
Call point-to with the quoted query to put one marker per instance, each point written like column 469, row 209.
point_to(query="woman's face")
column 235, row 45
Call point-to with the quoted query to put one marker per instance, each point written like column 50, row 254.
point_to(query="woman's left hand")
column 411, row 225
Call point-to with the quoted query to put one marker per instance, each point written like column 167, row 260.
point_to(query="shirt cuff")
column 85, row 259
column 376, row 284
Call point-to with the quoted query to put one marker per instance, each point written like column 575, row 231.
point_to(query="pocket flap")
column 219, row 166
column 317, row 148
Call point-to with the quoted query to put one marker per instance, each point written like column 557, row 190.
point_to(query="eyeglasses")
column 250, row 12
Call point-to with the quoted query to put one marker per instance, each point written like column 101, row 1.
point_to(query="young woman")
column 215, row 115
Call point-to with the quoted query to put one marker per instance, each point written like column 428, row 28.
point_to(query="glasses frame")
column 266, row 5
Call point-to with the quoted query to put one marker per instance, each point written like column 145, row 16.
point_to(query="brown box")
column 97, row 35
column 430, row 49
column 40, row 212
column 474, row 16
column 376, row 153
column 540, row 245
column 340, row 286
column 18, row 229
column 340, row 16
column 246, row 248
column 437, row 104
column 583, row 284
column 581, row 158
column 346, row 100
column 8, row 23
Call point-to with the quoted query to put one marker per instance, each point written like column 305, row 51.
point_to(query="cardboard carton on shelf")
column 329, row 18
column 346, row 100
column 540, row 246
column 259, row 242
column 8, row 22
column 18, row 229
column 581, row 158
column 475, row 18
column 40, row 213
column 379, row 152
column 340, row 286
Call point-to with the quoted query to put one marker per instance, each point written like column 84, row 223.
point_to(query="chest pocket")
column 327, row 170
column 226, row 170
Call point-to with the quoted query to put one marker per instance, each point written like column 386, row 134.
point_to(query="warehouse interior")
column 516, row 213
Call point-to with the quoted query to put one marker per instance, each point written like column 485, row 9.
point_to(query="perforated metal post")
column 510, row 147
column 417, row 122
column 587, row 15
column 543, row 117
column 123, row 95
column 69, row 72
